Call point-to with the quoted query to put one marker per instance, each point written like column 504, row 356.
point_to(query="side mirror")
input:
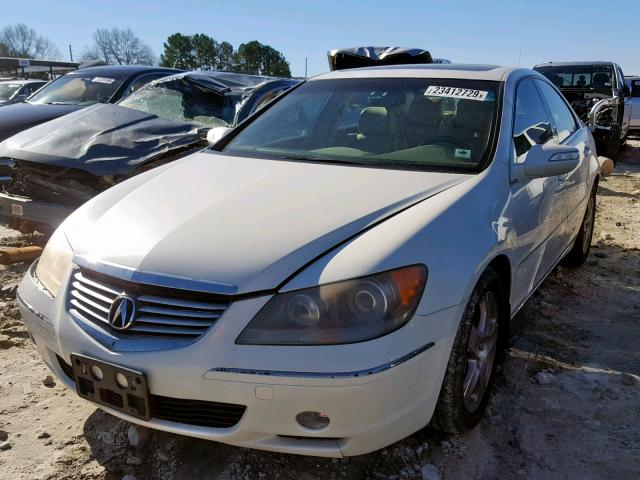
column 550, row 160
column 215, row 134
column 626, row 91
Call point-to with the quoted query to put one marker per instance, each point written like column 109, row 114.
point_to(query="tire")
column 582, row 244
column 459, row 409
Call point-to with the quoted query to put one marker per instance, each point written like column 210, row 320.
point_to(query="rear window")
column 579, row 76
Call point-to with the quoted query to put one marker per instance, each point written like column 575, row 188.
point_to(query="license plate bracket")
column 104, row 383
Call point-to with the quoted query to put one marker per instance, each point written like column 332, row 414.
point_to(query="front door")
column 536, row 213
column 572, row 187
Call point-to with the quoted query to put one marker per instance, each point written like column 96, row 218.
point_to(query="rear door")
column 634, row 99
column 626, row 102
column 572, row 187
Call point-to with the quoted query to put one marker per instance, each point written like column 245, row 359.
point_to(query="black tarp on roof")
column 342, row 58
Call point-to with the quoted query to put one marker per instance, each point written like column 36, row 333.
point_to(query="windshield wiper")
column 320, row 160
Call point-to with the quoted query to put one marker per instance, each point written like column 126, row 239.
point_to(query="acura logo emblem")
column 122, row 312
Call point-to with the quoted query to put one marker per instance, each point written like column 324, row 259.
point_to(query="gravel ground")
column 565, row 406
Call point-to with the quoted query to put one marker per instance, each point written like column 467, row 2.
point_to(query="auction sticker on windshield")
column 103, row 80
column 456, row 92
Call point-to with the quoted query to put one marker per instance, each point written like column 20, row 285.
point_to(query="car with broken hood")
column 317, row 286
column 55, row 167
column 16, row 91
column 598, row 93
column 76, row 90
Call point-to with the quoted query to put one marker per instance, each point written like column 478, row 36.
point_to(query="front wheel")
column 471, row 368
column 582, row 245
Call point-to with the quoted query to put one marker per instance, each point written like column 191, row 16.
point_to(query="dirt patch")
column 565, row 403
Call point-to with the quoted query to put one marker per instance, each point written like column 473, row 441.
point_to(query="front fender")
column 455, row 233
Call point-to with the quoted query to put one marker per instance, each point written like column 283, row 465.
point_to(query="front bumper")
column 368, row 408
column 22, row 208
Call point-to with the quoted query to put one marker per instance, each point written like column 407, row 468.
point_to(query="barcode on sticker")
column 106, row 80
column 456, row 92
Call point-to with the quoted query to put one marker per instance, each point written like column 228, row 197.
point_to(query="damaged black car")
column 598, row 94
column 53, row 168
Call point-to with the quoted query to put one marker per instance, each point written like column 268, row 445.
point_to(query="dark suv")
column 599, row 95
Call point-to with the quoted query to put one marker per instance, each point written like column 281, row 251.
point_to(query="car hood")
column 102, row 139
column 235, row 225
column 19, row 116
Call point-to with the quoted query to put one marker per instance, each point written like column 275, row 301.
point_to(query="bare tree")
column 120, row 46
column 21, row 41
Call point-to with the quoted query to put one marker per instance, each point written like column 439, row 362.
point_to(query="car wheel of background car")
column 580, row 250
column 471, row 368
column 612, row 143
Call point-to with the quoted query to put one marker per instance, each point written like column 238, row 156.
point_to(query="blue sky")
column 490, row 31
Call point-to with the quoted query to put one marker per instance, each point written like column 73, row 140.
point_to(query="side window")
column 562, row 117
column 635, row 88
column 143, row 80
column 531, row 124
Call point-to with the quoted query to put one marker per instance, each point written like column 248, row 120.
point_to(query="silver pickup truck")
column 634, row 99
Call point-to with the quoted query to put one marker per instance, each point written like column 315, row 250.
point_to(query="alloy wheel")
column 587, row 224
column 481, row 351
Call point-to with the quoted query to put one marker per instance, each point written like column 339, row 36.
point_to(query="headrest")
column 425, row 111
column 472, row 113
column 600, row 80
column 373, row 120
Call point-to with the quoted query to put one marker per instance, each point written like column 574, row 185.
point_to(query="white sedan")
column 334, row 274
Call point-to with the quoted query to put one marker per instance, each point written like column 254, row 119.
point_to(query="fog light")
column 96, row 372
column 313, row 420
column 121, row 380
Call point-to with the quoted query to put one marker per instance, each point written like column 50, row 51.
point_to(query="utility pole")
column 520, row 54
column 70, row 53
column 305, row 66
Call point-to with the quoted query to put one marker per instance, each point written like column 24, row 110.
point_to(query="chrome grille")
column 161, row 312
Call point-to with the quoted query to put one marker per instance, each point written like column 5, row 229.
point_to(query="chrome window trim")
column 352, row 374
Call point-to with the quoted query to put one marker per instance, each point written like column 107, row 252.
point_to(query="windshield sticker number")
column 108, row 81
column 454, row 92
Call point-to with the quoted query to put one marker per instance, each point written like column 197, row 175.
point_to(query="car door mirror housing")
column 626, row 91
column 549, row 160
column 215, row 134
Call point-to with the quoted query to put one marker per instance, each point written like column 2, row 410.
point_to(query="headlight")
column 54, row 261
column 343, row 312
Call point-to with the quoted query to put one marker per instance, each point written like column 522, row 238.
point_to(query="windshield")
column 419, row 123
column 185, row 101
column 77, row 89
column 579, row 76
column 8, row 89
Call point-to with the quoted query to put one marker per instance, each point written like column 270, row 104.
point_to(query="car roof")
column 570, row 64
column 229, row 79
column 431, row 70
column 122, row 71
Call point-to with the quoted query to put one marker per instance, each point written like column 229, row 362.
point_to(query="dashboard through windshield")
column 414, row 123
column 75, row 89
